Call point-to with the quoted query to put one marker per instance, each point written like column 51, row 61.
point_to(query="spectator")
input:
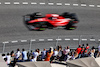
column 85, row 54
column 24, row 55
column 83, row 46
column 35, row 54
column 13, row 63
column 69, row 56
column 5, row 59
column 32, row 59
column 60, row 54
column 79, row 51
column 8, row 58
column 98, row 55
column 59, row 48
column 82, row 52
column 39, row 55
column 55, row 53
column 48, row 55
column 43, row 54
column 75, row 54
column 18, row 54
column 66, row 51
column 39, row 52
column 3, row 56
column 51, row 49
column 12, row 55
column 29, row 55
column 92, row 51
column 87, row 46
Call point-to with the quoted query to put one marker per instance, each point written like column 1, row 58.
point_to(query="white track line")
column 83, row 5
column 41, row 39
column 50, row 3
column 92, row 39
column 7, row 3
column 6, row 42
column 0, row 2
column 25, row 3
column 98, row 39
column 16, row 3
column 75, row 39
column 58, row 39
column 42, row 3
column 33, row 39
column 84, row 39
column 98, row 5
column 58, row 3
column 91, row 5
column 67, row 4
column 75, row 4
column 14, row 41
column 50, row 39
column 67, row 39
column 23, row 40
column 33, row 3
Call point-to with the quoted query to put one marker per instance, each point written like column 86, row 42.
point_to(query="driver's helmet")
column 54, row 18
column 37, row 14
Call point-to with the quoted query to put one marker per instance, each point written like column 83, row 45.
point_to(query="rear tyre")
column 70, row 26
column 38, row 26
column 50, row 26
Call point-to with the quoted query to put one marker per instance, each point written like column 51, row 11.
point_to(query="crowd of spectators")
column 51, row 54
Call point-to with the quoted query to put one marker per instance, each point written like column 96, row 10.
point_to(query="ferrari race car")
column 36, row 21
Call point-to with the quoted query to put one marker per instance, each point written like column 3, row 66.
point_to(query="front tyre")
column 70, row 26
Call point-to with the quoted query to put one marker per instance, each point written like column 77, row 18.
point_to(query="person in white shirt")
column 43, row 54
column 92, row 51
column 66, row 51
column 35, row 54
column 18, row 54
column 32, row 59
column 99, row 48
column 98, row 54
column 55, row 53
column 69, row 57
column 3, row 56
column 8, row 58
column 24, row 54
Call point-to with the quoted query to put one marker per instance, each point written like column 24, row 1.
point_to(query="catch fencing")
column 71, row 40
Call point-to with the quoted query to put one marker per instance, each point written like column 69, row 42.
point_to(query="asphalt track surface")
column 13, row 28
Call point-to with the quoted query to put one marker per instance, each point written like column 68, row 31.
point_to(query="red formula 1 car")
column 36, row 21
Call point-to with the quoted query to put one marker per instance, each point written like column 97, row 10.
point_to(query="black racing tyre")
column 50, row 26
column 66, row 15
column 69, row 25
column 39, row 25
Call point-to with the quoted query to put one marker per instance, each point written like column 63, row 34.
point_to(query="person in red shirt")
column 87, row 46
column 78, row 50
column 85, row 54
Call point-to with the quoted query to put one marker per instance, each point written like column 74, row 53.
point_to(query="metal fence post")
column 3, row 47
column 57, row 41
column 80, row 39
column 30, row 45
